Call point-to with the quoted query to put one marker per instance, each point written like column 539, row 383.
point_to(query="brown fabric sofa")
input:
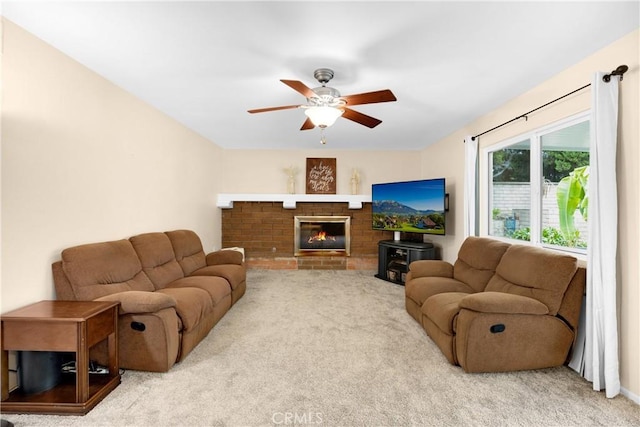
column 171, row 293
column 499, row 307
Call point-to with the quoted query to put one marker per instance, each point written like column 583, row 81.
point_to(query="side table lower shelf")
column 61, row 399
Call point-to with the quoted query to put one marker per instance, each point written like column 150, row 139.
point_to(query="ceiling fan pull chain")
column 323, row 140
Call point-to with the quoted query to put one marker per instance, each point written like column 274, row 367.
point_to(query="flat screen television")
column 409, row 207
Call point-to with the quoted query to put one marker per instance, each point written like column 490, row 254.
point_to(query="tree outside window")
column 538, row 186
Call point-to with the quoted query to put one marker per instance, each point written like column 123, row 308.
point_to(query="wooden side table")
column 62, row 326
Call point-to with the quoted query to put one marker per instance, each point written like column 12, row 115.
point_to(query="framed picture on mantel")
column 321, row 176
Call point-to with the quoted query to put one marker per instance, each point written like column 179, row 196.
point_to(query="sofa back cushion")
column 536, row 273
column 98, row 269
column 477, row 260
column 157, row 258
column 188, row 250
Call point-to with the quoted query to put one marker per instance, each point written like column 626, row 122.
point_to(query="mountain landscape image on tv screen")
column 410, row 206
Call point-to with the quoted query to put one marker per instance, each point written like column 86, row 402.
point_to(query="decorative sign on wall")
column 321, row 176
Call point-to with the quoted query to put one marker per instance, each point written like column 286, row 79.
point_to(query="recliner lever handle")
column 138, row 326
column 496, row 329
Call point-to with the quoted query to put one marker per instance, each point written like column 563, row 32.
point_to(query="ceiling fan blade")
column 263, row 110
column 300, row 87
column 384, row 95
column 358, row 117
column 308, row 124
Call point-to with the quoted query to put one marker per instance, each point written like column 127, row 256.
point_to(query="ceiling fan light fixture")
column 323, row 116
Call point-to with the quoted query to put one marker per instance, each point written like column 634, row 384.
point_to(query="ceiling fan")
column 325, row 104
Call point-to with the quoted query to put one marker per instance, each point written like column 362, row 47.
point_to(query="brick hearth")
column 265, row 231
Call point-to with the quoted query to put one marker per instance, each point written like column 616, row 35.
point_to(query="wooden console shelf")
column 62, row 326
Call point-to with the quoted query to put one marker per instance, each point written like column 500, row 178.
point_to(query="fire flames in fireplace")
column 316, row 236
column 322, row 235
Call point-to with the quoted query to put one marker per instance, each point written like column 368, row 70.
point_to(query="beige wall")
column 450, row 152
column 262, row 171
column 84, row 161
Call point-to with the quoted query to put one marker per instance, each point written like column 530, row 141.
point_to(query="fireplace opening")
column 322, row 235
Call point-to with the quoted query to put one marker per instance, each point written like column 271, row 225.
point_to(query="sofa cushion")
column 99, row 269
column 233, row 273
column 535, row 273
column 217, row 287
column 188, row 251
column 157, row 258
column 193, row 305
column 477, row 261
column 442, row 310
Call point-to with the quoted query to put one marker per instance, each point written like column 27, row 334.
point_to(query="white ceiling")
column 206, row 63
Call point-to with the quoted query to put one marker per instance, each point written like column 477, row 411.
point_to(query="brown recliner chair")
column 525, row 318
column 476, row 264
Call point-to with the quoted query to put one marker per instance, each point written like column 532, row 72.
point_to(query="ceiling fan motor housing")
column 323, row 75
column 326, row 96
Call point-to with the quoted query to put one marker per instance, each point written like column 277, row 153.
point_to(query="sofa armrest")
column 500, row 302
column 224, row 257
column 430, row 268
column 140, row 301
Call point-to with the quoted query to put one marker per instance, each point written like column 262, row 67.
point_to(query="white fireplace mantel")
column 225, row 200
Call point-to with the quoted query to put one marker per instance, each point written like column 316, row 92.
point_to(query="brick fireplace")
column 266, row 232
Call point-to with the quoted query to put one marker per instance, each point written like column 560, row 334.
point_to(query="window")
column 537, row 186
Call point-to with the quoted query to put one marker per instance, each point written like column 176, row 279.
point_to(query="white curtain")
column 470, row 185
column 600, row 352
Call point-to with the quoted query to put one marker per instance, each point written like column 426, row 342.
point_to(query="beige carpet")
column 337, row 348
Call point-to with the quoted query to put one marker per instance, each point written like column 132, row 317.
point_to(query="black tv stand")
column 394, row 257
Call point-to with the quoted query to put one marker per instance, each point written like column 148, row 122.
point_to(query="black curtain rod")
column 607, row 77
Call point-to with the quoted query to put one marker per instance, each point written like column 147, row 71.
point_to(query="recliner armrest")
column 140, row 301
column 430, row 268
column 500, row 302
column 224, row 256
